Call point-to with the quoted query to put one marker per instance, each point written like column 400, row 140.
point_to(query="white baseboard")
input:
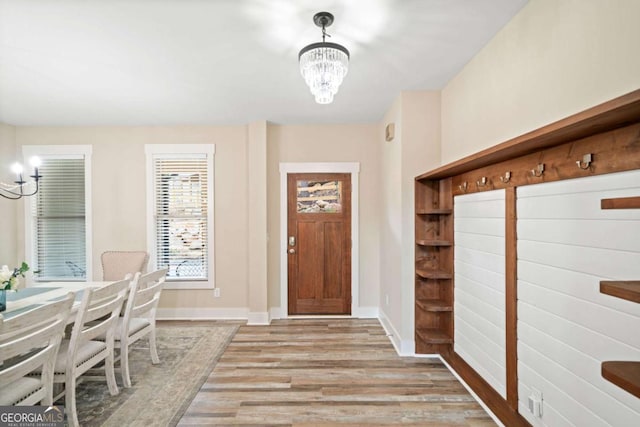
column 407, row 347
column 202, row 313
column 392, row 334
column 258, row 318
column 276, row 313
column 365, row 312
column 403, row 347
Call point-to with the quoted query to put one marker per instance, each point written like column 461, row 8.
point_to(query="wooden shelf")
column 629, row 290
column 620, row 203
column 625, row 375
column 434, row 305
column 434, row 336
column 424, row 242
column 434, row 212
column 433, row 274
column 433, row 266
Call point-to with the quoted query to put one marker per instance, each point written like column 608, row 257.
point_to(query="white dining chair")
column 139, row 318
column 97, row 315
column 117, row 264
column 29, row 342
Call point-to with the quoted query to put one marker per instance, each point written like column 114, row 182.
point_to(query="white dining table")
column 28, row 298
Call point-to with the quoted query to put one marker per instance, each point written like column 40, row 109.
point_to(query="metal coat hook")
column 586, row 161
column 482, row 182
column 463, row 187
column 538, row 171
column 506, row 177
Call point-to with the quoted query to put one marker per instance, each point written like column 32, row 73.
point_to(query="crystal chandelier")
column 323, row 65
column 16, row 190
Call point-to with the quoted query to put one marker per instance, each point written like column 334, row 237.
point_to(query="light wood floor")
column 328, row 372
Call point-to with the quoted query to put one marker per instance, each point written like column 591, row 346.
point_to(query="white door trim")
column 354, row 170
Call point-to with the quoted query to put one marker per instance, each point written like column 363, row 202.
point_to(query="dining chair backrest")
column 117, row 264
column 139, row 318
column 32, row 339
column 99, row 309
column 144, row 294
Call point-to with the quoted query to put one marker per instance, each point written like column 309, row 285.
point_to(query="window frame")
column 181, row 151
column 60, row 152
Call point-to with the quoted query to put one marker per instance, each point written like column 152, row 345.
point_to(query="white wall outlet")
column 216, row 293
column 535, row 403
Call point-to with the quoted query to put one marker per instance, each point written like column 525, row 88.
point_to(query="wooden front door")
column 319, row 243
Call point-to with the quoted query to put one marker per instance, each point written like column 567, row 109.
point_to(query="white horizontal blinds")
column 181, row 211
column 59, row 226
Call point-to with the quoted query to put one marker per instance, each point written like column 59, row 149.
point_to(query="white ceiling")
column 171, row 62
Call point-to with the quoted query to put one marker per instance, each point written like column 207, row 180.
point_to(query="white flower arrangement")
column 10, row 279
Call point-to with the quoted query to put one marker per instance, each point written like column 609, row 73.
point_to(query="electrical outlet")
column 535, row 403
column 216, row 293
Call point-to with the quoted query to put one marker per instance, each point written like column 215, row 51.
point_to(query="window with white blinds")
column 57, row 225
column 182, row 213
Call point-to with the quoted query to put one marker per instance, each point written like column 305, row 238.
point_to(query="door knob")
column 292, row 251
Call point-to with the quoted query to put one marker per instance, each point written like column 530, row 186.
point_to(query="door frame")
column 341, row 167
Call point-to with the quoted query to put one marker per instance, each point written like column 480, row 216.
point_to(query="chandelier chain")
column 324, row 33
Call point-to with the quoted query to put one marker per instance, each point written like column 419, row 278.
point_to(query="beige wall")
column 119, row 202
column 390, row 248
column 8, row 208
column 414, row 150
column 554, row 59
column 420, row 153
column 328, row 143
column 257, row 224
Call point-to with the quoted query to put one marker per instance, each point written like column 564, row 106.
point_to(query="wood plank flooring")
column 328, row 372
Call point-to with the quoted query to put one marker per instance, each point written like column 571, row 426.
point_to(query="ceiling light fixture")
column 324, row 65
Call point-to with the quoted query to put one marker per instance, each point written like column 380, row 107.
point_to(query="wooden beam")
column 612, row 151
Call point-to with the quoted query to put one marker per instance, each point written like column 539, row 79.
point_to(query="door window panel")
column 319, row 196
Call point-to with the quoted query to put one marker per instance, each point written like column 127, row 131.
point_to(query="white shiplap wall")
column 566, row 327
column 479, row 300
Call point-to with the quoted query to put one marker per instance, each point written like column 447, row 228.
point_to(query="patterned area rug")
column 160, row 394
